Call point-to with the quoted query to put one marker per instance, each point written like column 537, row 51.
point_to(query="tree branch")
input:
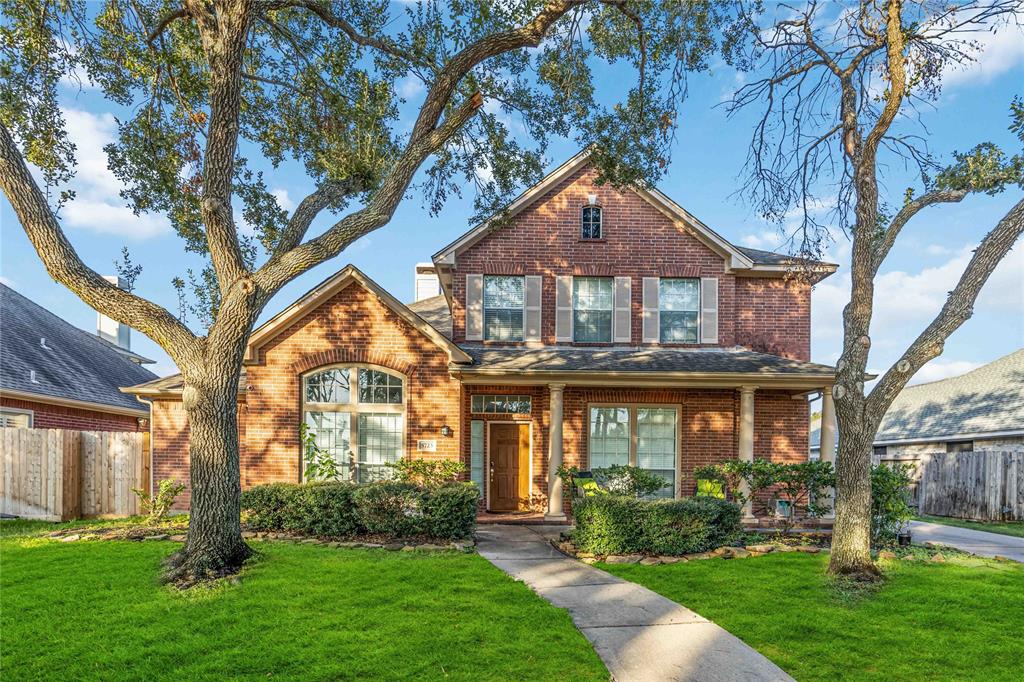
column 309, row 208
column 909, row 210
column 164, row 22
column 957, row 310
column 65, row 266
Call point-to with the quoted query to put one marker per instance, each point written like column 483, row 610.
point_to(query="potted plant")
column 903, row 537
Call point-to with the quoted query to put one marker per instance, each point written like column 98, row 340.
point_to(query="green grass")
column 1014, row 528
column 952, row 621
column 94, row 610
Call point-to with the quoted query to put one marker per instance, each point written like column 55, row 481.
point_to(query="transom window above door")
column 679, row 310
column 503, row 307
column 590, row 223
column 592, row 308
column 363, row 430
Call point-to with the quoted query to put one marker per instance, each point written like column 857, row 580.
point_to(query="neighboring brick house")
column 54, row 375
column 589, row 326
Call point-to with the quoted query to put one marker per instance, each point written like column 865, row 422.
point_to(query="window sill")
column 602, row 240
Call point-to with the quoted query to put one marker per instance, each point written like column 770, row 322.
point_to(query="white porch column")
column 555, row 511
column 746, row 444
column 828, row 439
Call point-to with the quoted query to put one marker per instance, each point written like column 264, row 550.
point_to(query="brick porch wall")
column 47, row 416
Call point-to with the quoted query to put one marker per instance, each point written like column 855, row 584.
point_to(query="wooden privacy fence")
column 61, row 475
column 985, row 486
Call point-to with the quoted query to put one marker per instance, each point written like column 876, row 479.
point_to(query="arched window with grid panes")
column 356, row 414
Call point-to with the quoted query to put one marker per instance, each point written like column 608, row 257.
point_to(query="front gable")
column 319, row 301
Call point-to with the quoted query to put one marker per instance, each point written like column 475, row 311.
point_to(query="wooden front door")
column 510, row 467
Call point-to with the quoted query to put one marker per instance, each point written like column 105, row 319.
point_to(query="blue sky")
column 706, row 161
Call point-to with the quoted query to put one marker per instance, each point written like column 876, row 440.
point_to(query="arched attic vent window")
column 590, row 222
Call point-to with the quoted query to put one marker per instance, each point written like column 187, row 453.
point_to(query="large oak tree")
column 313, row 84
column 837, row 88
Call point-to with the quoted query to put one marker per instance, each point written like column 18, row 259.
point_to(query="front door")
column 510, row 467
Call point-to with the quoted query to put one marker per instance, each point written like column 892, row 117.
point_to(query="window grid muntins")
column 643, row 436
column 592, row 303
column 590, row 222
column 679, row 310
column 503, row 307
column 361, row 429
column 501, row 404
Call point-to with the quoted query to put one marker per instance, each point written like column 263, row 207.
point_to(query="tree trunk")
column 214, row 544
column 851, row 534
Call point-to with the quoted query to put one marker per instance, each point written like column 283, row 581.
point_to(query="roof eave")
column 71, row 402
column 472, row 375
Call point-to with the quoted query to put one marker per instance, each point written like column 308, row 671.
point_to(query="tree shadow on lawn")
column 95, row 609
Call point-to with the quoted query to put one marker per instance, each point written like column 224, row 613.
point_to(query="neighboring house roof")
column 73, row 366
column 736, row 257
column 328, row 288
column 638, row 363
column 987, row 401
column 436, row 313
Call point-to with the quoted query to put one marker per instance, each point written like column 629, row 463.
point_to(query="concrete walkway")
column 639, row 634
column 974, row 541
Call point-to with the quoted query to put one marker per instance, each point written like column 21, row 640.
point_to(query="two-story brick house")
column 588, row 326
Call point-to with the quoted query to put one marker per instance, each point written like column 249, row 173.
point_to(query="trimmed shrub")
column 344, row 510
column 391, row 508
column 450, row 511
column 692, row 525
column 611, row 524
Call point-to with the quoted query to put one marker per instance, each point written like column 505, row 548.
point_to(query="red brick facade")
column 354, row 326
column 49, row 416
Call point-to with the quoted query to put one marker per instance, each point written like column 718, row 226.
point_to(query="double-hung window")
column 644, row 436
column 360, row 426
column 679, row 310
column 503, row 307
column 592, row 307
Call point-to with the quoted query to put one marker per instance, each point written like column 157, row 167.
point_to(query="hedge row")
column 612, row 524
column 345, row 510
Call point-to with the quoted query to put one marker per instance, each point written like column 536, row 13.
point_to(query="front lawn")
column 928, row 622
column 94, row 610
column 1015, row 528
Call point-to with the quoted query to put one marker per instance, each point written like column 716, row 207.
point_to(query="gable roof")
column 737, row 258
column 436, row 313
column 986, row 401
column 329, row 287
column 73, row 366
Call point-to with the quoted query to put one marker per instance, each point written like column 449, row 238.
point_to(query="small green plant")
column 157, row 506
column 889, row 509
column 318, row 464
column 630, row 481
column 429, row 473
column 758, row 476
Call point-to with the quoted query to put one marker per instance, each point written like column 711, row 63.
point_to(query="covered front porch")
column 528, row 412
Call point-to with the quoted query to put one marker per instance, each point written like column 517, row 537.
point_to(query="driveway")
column 974, row 541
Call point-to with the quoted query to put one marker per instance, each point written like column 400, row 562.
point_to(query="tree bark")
column 214, row 544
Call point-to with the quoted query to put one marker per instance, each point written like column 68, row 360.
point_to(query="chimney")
column 427, row 283
column 112, row 330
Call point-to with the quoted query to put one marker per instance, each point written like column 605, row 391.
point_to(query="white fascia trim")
column 70, row 402
column 976, row 435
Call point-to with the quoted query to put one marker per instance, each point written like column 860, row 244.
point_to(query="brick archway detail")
column 337, row 356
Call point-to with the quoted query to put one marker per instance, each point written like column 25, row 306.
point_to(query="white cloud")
column 937, row 250
column 97, row 206
column 999, row 51
column 283, row 199
column 767, row 239
column 942, row 368
column 409, row 87
column 7, row 282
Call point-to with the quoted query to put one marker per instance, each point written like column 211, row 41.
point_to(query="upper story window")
column 679, row 310
column 592, row 306
column 503, row 307
column 590, row 223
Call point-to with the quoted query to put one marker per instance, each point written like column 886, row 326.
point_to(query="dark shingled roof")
column 771, row 258
column 436, row 313
column 75, row 365
column 174, row 383
column 985, row 400
column 560, row 359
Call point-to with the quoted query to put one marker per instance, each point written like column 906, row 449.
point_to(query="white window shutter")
column 531, row 308
column 563, row 308
column 652, row 319
column 709, row 310
column 623, row 320
column 474, row 307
